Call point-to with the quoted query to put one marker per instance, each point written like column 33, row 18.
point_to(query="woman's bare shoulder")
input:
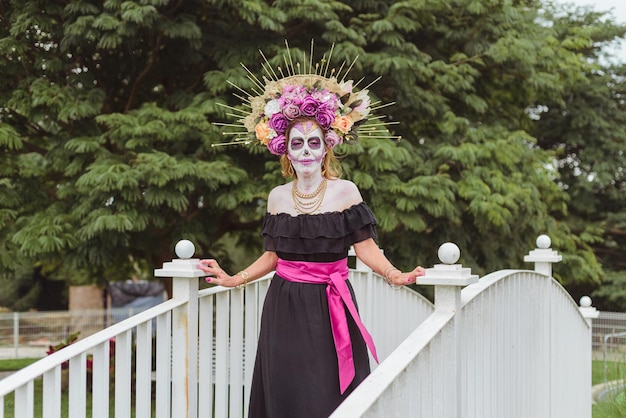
column 345, row 193
column 277, row 198
column 347, row 185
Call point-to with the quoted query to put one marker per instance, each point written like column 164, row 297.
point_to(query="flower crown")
column 306, row 92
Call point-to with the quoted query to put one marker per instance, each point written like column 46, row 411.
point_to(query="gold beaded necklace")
column 308, row 203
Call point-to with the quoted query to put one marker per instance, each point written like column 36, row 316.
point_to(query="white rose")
column 271, row 107
column 327, row 97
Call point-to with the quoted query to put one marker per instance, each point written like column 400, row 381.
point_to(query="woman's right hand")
column 219, row 276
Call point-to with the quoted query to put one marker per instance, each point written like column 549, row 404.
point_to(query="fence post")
column 543, row 256
column 184, row 329
column 16, row 332
column 589, row 313
column 449, row 279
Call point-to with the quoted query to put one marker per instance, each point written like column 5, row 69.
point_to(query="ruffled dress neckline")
column 326, row 232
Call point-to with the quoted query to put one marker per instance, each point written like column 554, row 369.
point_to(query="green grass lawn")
column 614, row 371
column 8, row 365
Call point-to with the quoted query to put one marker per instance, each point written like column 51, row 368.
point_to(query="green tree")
column 586, row 127
column 108, row 153
column 467, row 77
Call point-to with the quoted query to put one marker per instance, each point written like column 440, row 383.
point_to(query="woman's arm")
column 373, row 257
column 263, row 265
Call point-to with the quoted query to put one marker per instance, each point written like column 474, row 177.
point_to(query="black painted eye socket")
column 296, row 143
column 315, row 143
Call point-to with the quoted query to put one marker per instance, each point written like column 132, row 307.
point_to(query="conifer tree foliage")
column 108, row 156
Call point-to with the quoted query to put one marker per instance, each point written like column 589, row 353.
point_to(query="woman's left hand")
column 399, row 278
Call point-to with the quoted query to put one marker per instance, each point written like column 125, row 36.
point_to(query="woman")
column 312, row 349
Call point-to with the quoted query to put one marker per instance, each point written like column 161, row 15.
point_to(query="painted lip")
column 306, row 162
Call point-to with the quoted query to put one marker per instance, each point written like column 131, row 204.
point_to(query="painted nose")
column 306, row 150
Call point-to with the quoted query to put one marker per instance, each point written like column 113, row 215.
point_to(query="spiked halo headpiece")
column 304, row 89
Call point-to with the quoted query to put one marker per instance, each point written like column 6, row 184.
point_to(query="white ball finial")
column 185, row 249
column 585, row 301
column 543, row 242
column 448, row 253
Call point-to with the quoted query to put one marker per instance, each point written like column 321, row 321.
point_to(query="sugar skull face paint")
column 305, row 147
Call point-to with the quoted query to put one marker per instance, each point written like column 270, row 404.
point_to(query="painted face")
column 306, row 147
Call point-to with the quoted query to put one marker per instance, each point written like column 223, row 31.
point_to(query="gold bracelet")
column 387, row 279
column 245, row 276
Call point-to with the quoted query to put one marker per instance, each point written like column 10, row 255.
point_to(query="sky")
column 616, row 7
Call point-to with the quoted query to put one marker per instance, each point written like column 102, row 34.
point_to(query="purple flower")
column 279, row 122
column 325, row 116
column 277, row 145
column 291, row 111
column 309, row 106
column 293, row 94
column 331, row 139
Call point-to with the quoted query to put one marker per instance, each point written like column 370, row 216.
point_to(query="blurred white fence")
column 29, row 334
column 609, row 336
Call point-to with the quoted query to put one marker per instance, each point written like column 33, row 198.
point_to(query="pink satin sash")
column 334, row 274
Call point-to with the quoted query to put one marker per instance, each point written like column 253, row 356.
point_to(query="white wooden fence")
column 512, row 344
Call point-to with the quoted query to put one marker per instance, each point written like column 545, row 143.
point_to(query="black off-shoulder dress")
column 296, row 371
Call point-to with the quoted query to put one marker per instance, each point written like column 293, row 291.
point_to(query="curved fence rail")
column 517, row 347
column 144, row 366
column 99, row 365
column 389, row 315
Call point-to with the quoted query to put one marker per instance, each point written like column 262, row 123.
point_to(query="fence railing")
column 499, row 346
column 513, row 344
column 28, row 334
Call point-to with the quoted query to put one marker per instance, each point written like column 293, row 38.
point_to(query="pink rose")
column 279, row 122
column 277, row 145
column 293, row 94
column 297, row 90
column 325, row 116
column 331, row 139
column 309, row 106
column 291, row 111
column 327, row 98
